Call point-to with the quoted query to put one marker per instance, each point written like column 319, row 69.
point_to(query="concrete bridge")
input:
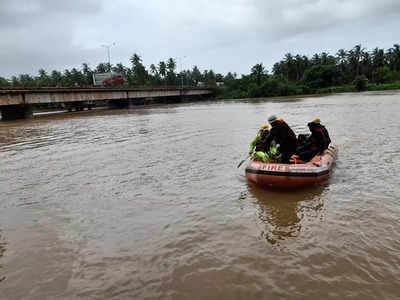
column 17, row 103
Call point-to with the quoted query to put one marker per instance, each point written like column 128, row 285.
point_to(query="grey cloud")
column 37, row 34
column 223, row 35
column 25, row 13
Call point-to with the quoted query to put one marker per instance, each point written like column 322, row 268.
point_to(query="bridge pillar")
column 15, row 112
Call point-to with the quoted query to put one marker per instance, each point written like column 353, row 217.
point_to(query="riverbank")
column 288, row 90
column 352, row 88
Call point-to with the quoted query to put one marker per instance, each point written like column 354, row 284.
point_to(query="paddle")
column 243, row 161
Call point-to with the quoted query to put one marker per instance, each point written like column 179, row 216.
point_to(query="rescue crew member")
column 325, row 131
column 258, row 144
column 318, row 142
column 303, row 142
column 284, row 136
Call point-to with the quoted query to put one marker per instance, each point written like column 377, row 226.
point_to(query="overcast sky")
column 224, row 35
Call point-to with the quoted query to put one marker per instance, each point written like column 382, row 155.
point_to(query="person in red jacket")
column 318, row 142
column 284, row 136
column 325, row 131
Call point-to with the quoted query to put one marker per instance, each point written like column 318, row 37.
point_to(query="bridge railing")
column 114, row 88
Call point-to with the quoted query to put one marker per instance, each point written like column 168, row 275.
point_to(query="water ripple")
column 148, row 203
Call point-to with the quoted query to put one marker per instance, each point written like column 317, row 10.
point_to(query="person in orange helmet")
column 317, row 121
column 258, row 143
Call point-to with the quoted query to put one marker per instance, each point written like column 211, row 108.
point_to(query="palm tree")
column 171, row 65
column 162, row 69
column 355, row 56
column 15, row 81
column 43, row 79
column 342, row 56
column 88, row 73
column 56, row 78
column 393, row 57
column 138, row 69
column 153, row 69
column 290, row 67
column 316, row 59
column 378, row 58
column 77, row 77
column 155, row 77
column 119, row 68
column 26, row 80
column 101, row 68
column 396, row 53
column 67, row 78
column 324, row 58
column 342, row 60
column 258, row 71
column 366, row 64
column 196, row 75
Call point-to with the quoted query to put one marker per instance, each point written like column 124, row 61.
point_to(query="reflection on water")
column 281, row 213
column 286, row 99
column 22, row 138
column 2, row 246
column 2, row 250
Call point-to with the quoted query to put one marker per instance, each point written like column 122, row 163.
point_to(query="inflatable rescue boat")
column 294, row 174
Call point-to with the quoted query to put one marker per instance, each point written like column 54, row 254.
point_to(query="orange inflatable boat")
column 294, row 174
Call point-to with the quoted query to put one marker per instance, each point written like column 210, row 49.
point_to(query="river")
column 147, row 203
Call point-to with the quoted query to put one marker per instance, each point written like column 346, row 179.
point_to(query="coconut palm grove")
column 351, row 70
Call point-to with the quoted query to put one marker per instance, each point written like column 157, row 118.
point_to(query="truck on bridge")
column 108, row 79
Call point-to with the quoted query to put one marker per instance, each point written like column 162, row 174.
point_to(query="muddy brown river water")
column 147, row 203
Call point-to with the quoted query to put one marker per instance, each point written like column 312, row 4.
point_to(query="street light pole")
column 108, row 54
column 180, row 66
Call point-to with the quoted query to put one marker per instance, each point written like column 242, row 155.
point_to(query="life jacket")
column 318, row 141
column 326, row 135
column 260, row 142
column 291, row 133
column 273, row 153
column 286, row 137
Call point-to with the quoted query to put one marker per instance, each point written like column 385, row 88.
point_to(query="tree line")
column 161, row 74
column 356, row 68
column 323, row 72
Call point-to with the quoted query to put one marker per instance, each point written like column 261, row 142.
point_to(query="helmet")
column 317, row 120
column 264, row 126
column 272, row 119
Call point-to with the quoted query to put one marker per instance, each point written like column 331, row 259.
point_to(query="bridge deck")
column 24, row 96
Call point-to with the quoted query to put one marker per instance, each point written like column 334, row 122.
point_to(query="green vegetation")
column 162, row 74
column 383, row 87
column 346, row 71
column 361, row 83
column 4, row 82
